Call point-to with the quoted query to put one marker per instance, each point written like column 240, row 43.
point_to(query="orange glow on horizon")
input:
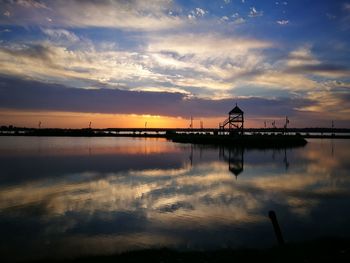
column 98, row 120
column 78, row 120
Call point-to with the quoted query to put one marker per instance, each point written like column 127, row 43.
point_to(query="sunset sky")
column 127, row 62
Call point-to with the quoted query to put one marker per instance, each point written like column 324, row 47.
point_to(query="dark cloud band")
column 22, row 94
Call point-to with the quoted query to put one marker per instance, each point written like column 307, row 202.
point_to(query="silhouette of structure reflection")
column 234, row 156
column 235, row 159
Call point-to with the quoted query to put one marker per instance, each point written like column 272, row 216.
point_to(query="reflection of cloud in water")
column 206, row 187
column 117, row 192
column 150, row 207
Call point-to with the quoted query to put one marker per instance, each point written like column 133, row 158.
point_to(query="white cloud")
column 181, row 62
column 205, row 45
column 61, row 34
column 282, row 22
column 302, row 56
column 238, row 21
column 255, row 13
column 224, row 19
column 281, row 80
column 197, row 12
column 136, row 15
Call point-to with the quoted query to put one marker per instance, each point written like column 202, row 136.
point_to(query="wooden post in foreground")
column 276, row 227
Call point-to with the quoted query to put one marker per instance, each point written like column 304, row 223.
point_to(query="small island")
column 247, row 141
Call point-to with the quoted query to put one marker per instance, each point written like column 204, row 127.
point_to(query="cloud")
column 206, row 45
column 346, row 7
column 48, row 61
column 255, row 13
column 282, row 22
column 238, row 21
column 332, row 99
column 30, row 3
column 181, row 62
column 302, row 56
column 210, row 65
column 211, row 61
column 24, row 94
column 5, row 30
column 302, row 61
column 322, row 69
column 196, row 13
column 283, row 80
column 7, row 13
column 224, row 19
column 60, row 34
column 128, row 15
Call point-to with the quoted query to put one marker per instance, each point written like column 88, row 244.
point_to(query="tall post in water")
column 276, row 227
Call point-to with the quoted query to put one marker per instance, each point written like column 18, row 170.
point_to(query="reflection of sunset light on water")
column 159, row 201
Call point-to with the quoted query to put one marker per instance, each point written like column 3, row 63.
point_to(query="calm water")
column 67, row 197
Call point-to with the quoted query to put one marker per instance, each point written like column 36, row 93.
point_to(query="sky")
column 123, row 63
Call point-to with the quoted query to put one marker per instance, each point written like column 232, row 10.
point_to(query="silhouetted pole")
column 286, row 125
column 276, row 227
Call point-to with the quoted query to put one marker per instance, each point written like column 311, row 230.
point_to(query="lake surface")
column 68, row 197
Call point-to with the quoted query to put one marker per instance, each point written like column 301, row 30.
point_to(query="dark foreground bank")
column 325, row 250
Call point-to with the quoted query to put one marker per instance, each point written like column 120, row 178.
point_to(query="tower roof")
column 235, row 110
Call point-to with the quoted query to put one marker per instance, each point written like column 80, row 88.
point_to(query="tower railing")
column 222, row 125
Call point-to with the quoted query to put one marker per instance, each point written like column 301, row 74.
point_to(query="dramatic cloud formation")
column 224, row 51
column 31, row 95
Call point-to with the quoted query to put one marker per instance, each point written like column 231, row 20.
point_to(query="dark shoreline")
column 248, row 141
column 330, row 249
column 255, row 140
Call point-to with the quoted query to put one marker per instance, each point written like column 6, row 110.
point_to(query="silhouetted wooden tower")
column 235, row 121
